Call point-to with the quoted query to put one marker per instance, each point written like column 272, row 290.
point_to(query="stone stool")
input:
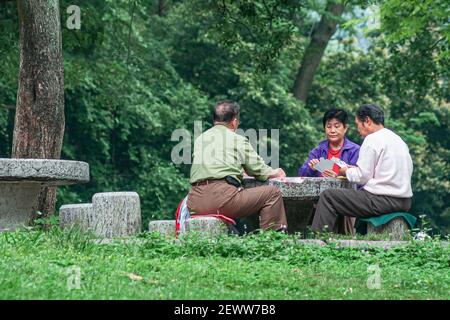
column 76, row 214
column 111, row 214
column 207, row 226
column 164, row 227
column 396, row 224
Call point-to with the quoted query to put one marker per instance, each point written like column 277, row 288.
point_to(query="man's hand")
column 278, row 173
column 343, row 170
column 312, row 163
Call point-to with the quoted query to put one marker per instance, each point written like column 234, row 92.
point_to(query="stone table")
column 299, row 196
column 21, row 181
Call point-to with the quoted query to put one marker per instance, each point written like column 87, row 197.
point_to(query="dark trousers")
column 335, row 203
column 344, row 224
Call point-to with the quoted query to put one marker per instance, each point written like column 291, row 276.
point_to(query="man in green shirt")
column 220, row 158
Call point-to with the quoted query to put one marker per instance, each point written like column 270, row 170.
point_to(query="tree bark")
column 161, row 7
column 320, row 37
column 39, row 119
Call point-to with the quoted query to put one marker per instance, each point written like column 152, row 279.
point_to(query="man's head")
column 227, row 113
column 369, row 119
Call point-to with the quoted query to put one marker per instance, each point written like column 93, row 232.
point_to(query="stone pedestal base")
column 299, row 196
column 299, row 215
column 397, row 229
column 17, row 204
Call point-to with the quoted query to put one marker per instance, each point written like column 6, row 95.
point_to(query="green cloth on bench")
column 385, row 218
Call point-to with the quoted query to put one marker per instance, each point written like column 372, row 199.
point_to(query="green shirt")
column 220, row 152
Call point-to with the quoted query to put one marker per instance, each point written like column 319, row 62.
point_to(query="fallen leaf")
column 152, row 281
column 134, row 277
column 349, row 290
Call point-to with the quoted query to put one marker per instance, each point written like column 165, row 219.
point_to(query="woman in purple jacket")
column 335, row 124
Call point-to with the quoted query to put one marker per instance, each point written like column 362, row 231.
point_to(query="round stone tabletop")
column 47, row 172
column 299, row 188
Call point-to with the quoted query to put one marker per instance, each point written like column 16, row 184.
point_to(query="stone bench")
column 208, row 226
column 111, row 214
column 21, row 181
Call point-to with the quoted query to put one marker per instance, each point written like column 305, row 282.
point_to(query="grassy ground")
column 43, row 265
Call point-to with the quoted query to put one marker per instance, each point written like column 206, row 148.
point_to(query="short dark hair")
column 225, row 111
column 338, row 114
column 372, row 111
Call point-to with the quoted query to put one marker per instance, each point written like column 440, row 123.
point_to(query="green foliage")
column 125, row 111
column 409, row 20
column 132, row 77
column 256, row 30
column 8, row 73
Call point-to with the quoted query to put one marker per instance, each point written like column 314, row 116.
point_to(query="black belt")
column 228, row 179
column 205, row 182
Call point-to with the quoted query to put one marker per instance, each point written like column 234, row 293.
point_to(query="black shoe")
column 282, row 229
column 232, row 230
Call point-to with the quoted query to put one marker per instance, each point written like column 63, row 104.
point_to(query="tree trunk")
column 161, row 7
column 314, row 52
column 39, row 119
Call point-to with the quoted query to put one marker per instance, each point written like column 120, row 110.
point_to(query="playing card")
column 319, row 166
column 324, row 164
column 328, row 164
column 339, row 162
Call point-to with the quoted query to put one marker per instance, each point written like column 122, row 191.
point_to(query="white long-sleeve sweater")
column 384, row 165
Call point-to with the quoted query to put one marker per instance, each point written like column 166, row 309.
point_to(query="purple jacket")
column 349, row 154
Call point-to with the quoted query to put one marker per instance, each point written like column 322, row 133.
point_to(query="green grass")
column 34, row 265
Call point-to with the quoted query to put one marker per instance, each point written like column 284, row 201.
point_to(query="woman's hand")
column 312, row 163
column 329, row 173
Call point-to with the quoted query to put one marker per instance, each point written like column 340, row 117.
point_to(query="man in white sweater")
column 384, row 169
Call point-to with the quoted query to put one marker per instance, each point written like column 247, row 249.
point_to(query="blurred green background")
column 139, row 69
